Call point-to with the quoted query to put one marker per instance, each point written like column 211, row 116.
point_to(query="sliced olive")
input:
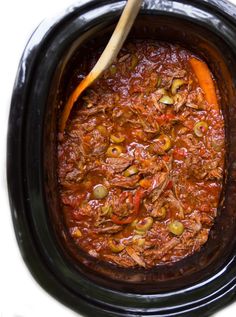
column 160, row 213
column 132, row 170
column 140, row 232
column 133, row 223
column 88, row 105
column 162, row 91
column 159, row 82
column 115, row 246
column 116, row 139
column 114, row 151
column 144, row 224
column 217, row 144
column 151, row 149
column 167, row 100
column 113, row 69
column 134, row 62
column 165, row 142
column 200, row 128
column 176, row 227
column 106, row 210
column 100, row 191
column 102, row 130
column 176, row 84
column 138, row 240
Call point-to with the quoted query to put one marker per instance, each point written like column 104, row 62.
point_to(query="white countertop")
column 20, row 295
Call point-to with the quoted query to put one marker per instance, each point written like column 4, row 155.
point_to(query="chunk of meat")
column 94, row 143
column 176, row 203
column 86, row 112
column 125, row 182
column 204, row 169
column 134, row 255
column 120, row 260
column 160, row 253
column 180, row 100
column 119, row 164
column 121, row 202
column 192, row 144
column 75, row 201
column 110, row 229
column 154, row 208
column 150, row 167
column 150, row 125
column 196, row 100
column 201, row 238
column 206, row 219
column 216, row 173
column 158, row 185
column 168, row 74
column 155, row 97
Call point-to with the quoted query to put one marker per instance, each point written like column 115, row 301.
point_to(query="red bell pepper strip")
column 169, row 185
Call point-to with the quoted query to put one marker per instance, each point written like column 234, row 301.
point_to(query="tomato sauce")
column 141, row 162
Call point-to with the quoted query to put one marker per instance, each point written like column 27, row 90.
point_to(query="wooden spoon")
column 109, row 54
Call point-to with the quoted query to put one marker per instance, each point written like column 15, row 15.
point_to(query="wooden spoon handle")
column 109, row 54
column 118, row 37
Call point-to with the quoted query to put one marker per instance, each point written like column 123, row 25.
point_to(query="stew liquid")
column 140, row 164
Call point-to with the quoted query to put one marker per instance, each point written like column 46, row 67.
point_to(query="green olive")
column 134, row 62
column 165, row 142
column 132, row 170
column 144, row 224
column 176, row 84
column 176, row 227
column 116, row 139
column 160, row 214
column 151, row 148
column 114, row 151
column 115, row 246
column 138, row 240
column 159, row 82
column 217, row 144
column 113, row 69
column 140, row 232
column 100, row 191
column 167, row 100
column 133, row 223
column 200, row 128
column 106, row 210
column 102, row 130
column 162, row 91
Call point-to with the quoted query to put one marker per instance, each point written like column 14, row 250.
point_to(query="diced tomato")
column 165, row 118
column 145, row 183
column 202, row 151
column 170, row 116
column 189, row 124
column 73, row 200
column 179, row 153
column 166, row 158
column 205, row 207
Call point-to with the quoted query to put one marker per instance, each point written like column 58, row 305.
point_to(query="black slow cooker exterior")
column 198, row 285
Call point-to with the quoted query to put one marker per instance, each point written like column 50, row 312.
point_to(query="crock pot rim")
column 31, row 256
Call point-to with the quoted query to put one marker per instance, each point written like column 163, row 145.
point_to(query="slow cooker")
column 200, row 284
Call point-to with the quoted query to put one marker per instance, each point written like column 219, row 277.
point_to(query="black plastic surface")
column 30, row 160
